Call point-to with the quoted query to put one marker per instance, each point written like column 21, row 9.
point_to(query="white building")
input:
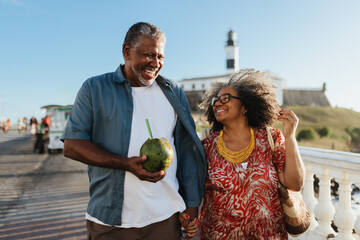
column 196, row 87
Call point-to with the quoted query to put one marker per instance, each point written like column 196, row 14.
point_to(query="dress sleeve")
column 279, row 150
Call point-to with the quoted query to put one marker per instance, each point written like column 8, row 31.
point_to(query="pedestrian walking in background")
column 33, row 126
column 6, row 127
column 22, row 126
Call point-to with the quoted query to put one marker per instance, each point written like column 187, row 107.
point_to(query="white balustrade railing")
column 344, row 168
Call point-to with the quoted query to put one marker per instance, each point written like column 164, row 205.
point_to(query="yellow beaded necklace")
column 235, row 157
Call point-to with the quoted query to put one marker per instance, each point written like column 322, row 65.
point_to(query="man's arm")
column 89, row 153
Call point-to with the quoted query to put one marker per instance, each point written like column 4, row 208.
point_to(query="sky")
column 48, row 48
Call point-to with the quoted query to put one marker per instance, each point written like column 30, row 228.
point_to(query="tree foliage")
column 306, row 134
column 354, row 133
column 323, row 132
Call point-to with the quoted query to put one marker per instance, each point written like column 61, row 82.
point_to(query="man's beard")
column 143, row 81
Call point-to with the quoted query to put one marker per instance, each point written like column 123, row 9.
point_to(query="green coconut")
column 159, row 154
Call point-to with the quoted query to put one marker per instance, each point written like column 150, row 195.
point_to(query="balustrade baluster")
column 344, row 217
column 357, row 225
column 308, row 195
column 324, row 210
column 357, row 215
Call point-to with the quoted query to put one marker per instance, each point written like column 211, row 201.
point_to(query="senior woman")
column 241, row 199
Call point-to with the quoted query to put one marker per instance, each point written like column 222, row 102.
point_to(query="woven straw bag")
column 296, row 216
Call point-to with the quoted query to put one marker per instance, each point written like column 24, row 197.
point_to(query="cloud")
column 17, row 3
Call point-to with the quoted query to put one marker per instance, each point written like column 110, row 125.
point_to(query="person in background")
column 47, row 121
column 25, row 126
column 106, row 129
column 22, row 126
column 44, row 125
column 241, row 199
column 33, row 126
column 6, row 127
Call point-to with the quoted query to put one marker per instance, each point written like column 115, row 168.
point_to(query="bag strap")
column 271, row 140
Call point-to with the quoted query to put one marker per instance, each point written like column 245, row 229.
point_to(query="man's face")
column 144, row 61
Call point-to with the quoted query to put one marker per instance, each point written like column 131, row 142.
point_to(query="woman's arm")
column 293, row 176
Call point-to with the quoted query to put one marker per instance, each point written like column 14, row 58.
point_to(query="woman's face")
column 230, row 109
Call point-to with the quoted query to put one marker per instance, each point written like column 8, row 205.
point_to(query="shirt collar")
column 119, row 76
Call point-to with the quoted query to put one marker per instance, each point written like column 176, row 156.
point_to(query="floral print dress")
column 241, row 200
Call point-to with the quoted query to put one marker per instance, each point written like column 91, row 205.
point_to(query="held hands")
column 290, row 122
column 134, row 165
column 189, row 222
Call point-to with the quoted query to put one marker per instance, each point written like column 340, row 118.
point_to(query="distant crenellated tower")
column 232, row 53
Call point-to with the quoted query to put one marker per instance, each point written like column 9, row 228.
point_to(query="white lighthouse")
column 196, row 87
column 232, row 53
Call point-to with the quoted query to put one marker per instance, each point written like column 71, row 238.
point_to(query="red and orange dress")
column 241, row 200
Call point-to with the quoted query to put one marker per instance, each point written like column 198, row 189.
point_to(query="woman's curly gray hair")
column 257, row 94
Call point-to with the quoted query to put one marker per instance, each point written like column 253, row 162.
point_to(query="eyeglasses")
column 223, row 99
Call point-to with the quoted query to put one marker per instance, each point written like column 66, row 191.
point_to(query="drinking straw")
column 148, row 127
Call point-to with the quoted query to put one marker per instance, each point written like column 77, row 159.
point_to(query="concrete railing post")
column 344, row 217
column 324, row 210
column 309, row 197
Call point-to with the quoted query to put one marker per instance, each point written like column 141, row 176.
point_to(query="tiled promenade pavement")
column 11, row 135
column 41, row 196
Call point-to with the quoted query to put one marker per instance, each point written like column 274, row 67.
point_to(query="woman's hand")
column 290, row 122
column 188, row 226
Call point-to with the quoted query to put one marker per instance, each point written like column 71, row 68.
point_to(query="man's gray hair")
column 142, row 29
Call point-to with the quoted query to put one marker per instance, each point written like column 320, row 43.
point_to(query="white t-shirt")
column 146, row 202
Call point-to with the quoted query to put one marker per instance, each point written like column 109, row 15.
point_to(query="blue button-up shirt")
column 102, row 113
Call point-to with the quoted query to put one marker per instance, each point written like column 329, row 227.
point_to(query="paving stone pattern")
column 42, row 196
